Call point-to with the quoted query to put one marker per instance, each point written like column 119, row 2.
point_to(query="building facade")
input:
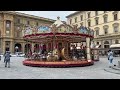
column 12, row 26
column 106, row 26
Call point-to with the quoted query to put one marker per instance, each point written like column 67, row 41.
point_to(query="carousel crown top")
column 58, row 22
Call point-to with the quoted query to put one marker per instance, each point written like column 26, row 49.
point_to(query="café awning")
column 115, row 46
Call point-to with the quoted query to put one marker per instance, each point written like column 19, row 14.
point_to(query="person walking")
column 7, row 59
column 110, row 58
column 0, row 54
column 4, row 56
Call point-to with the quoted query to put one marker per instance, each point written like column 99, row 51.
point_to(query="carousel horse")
column 49, row 57
column 53, row 56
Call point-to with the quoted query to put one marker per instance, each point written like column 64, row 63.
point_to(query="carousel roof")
column 58, row 28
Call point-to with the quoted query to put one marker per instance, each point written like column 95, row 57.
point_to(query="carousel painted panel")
column 64, row 29
column 69, row 29
column 28, row 30
column 44, row 29
column 61, row 29
column 83, row 30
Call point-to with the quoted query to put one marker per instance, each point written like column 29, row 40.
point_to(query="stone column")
column 88, row 48
column 4, row 28
column 40, row 47
column 47, row 47
column 3, row 46
column 12, row 29
column 12, row 47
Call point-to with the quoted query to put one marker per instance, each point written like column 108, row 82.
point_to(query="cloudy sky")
column 49, row 14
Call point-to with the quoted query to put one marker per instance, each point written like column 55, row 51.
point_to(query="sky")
column 50, row 14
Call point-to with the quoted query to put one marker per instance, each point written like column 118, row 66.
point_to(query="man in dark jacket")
column 7, row 59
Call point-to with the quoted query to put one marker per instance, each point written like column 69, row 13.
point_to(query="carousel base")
column 96, row 60
column 57, row 64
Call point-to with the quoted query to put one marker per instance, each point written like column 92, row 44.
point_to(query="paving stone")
column 19, row 71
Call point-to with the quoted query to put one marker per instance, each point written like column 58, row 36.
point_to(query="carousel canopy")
column 58, row 29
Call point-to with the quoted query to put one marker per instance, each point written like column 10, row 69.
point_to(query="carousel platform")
column 57, row 64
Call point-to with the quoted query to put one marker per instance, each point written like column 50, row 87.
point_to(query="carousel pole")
column 88, row 48
column 73, row 49
column 88, row 43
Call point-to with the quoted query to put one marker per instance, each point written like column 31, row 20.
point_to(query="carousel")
column 58, row 45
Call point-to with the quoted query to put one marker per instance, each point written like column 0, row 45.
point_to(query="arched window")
column 75, row 19
column 8, row 23
column 106, row 44
column 105, row 29
column 105, row 17
column 89, row 23
column 115, row 15
column 116, row 41
column 81, row 17
column 89, row 14
column 115, row 27
column 96, row 20
column 97, row 31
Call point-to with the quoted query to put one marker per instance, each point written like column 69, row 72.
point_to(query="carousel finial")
column 58, row 17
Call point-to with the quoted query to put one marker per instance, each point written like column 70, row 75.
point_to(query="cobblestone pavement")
column 19, row 71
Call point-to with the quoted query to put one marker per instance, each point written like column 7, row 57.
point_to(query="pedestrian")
column 110, row 58
column 0, row 54
column 4, row 56
column 7, row 59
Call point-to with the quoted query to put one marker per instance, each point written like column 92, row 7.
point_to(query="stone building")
column 106, row 26
column 12, row 26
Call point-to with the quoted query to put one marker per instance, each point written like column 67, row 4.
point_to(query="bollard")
column 119, row 64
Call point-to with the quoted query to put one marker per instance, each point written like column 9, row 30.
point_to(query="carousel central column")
column 32, row 48
column 40, row 47
column 88, row 48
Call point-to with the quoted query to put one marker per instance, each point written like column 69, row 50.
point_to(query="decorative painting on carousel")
column 65, row 29
column 83, row 30
column 44, row 29
column 61, row 29
column 28, row 31
column 69, row 29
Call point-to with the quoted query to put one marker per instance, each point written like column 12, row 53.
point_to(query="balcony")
column 108, row 35
column 18, row 24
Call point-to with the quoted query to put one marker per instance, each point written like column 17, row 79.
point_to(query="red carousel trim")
column 58, row 64
column 57, row 34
